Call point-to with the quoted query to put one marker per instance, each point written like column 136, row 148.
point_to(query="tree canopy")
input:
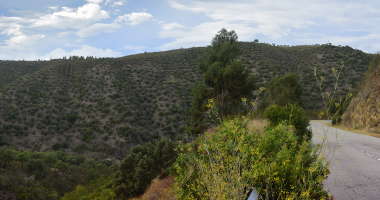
column 141, row 166
column 225, row 79
column 282, row 91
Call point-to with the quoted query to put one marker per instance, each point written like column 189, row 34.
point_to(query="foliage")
column 23, row 157
column 373, row 65
column 51, row 101
column 39, row 181
column 95, row 190
column 141, row 166
column 6, row 156
column 282, row 91
column 36, row 165
column 338, row 107
column 275, row 165
column 296, row 117
column 336, row 120
column 225, row 79
column 94, row 96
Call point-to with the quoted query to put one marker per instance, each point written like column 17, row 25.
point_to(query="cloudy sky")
column 44, row 29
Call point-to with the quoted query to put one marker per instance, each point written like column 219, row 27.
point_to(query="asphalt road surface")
column 357, row 175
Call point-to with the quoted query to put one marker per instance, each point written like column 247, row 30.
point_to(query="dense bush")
column 336, row 120
column 6, row 156
column 282, row 91
column 50, row 174
column 274, row 164
column 141, row 166
column 292, row 113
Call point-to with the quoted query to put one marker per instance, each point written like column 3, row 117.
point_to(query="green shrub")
column 292, row 113
column 336, row 120
column 282, row 91
column 105, row 137
column 36, row 165
column 274, row 164
column 141, row 166
column 56, row 146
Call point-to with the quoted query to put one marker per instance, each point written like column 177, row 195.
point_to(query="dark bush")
column 36, row 165
column 292, row 113
column 282, row 91
column 56, row 146
column 336, row 120
column 141, row 166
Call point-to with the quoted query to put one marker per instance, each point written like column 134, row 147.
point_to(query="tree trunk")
column 222, row 106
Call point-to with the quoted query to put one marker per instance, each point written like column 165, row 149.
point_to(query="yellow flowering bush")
column 230, row 163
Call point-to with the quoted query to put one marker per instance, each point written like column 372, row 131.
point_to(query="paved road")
column 357, row 174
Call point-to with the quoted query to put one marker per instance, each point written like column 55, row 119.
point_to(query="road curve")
column 357, row 175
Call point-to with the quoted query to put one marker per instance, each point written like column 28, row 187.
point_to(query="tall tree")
column 23, row 157
column 225, row 79
column 6, row 156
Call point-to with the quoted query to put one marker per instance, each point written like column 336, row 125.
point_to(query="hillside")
column 363, row 112
column 102, row 107
column 13, row 70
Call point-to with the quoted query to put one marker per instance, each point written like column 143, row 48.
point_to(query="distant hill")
column 102, row 107
column 13, row 70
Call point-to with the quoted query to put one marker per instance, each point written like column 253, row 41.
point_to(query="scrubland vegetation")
column 135, row 127
column 363, row 112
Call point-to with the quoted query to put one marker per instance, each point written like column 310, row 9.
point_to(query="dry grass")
column 158, row 190
column 258, row 125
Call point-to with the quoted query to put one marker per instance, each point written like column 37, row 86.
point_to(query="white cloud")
column 11, row 26
column 71, row 45
column 53, row 7
column 97, row 28
column 13, row 30
column 5, row 20
column 73, row 18
column 11, row 22
column 21, row 42
column 95, row 1
column 179, row 6
column 369, row 42
column 171, row 26
column 84, row 51
column 63, row 34
column 134, row 18
column 138, row 49
column 119, row 3
column 202, row 34
column 275, row 19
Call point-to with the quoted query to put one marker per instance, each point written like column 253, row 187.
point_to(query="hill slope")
column 364, row 110
column 102, row 107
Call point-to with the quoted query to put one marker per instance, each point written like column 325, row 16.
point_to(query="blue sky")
column 44, row 29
